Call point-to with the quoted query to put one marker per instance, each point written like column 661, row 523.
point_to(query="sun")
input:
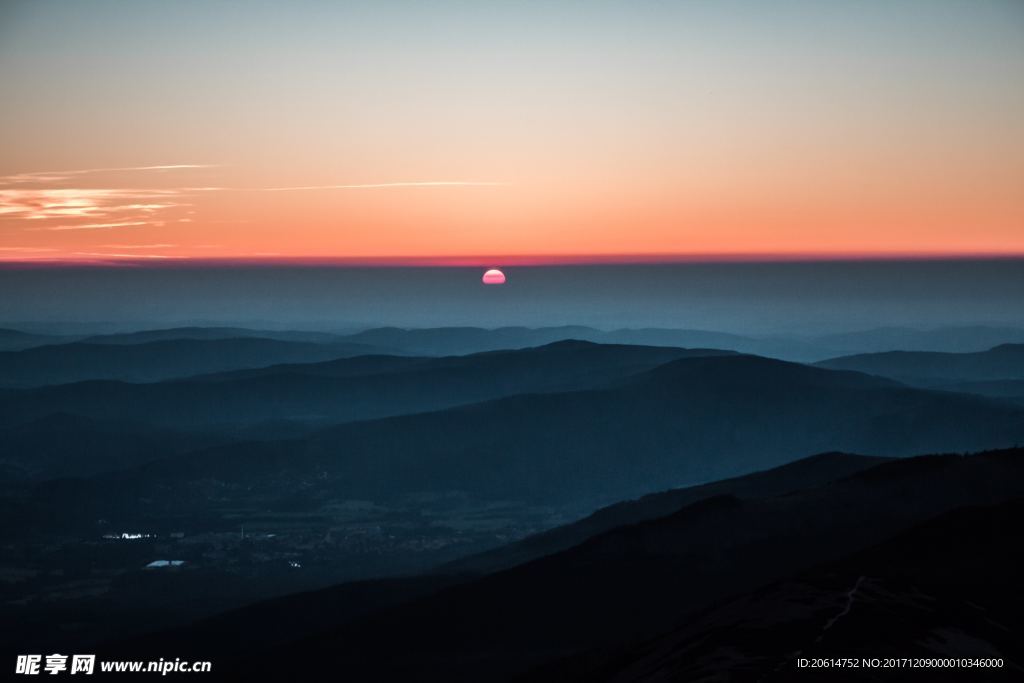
column 494, row 277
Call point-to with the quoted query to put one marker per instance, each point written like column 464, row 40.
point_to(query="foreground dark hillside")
column 947, row 588
column 634, row 582
column 815, row 470
column 306, row 614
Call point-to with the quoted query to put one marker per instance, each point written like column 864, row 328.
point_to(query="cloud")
column 375, row 186
column 120, row 255
column 25, row 197
column 137, row 246
column 58, row 176
column 100, row 226
column 105, row 207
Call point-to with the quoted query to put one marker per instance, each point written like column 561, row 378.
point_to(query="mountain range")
column 343, row 389
column 443, row 341
column 686, row 421
column 571, row 510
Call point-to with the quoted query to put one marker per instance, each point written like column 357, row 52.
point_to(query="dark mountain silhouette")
column 922, row 368
column 62, row 445
column 355, row 366
column 690, row 420
column 997, row 388
column 176, row 333
column 633, row 582
column 305, row 614
column 15, row 340
column 946, row 588
column 459, row 340
column 462, row 340
column 157, row 360
column 807, row 472
column 346, row 389
column 954, row 339
column 446, row 341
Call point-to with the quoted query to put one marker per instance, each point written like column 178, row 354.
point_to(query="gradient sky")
column 495, row 133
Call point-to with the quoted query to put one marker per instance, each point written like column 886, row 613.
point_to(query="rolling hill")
column 344, row 389
column 952, row 339
column 151, row 361
column 62, row 445
column 307, row 613
column 689, row 420
column 195, row 332
column 462, row 340
column 16, row 340
column 794, row 347
column 934, row 369
column 947, row 588
column 805, row 473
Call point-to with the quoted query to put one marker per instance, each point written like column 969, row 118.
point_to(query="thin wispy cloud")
column 120, row 255
column 376, row 186
column 100, row 226
column 137, row 246
column 57, row 176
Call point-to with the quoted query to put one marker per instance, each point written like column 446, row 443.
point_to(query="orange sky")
column 540, row 132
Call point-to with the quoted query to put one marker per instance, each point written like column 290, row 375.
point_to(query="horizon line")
column 497, row 261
